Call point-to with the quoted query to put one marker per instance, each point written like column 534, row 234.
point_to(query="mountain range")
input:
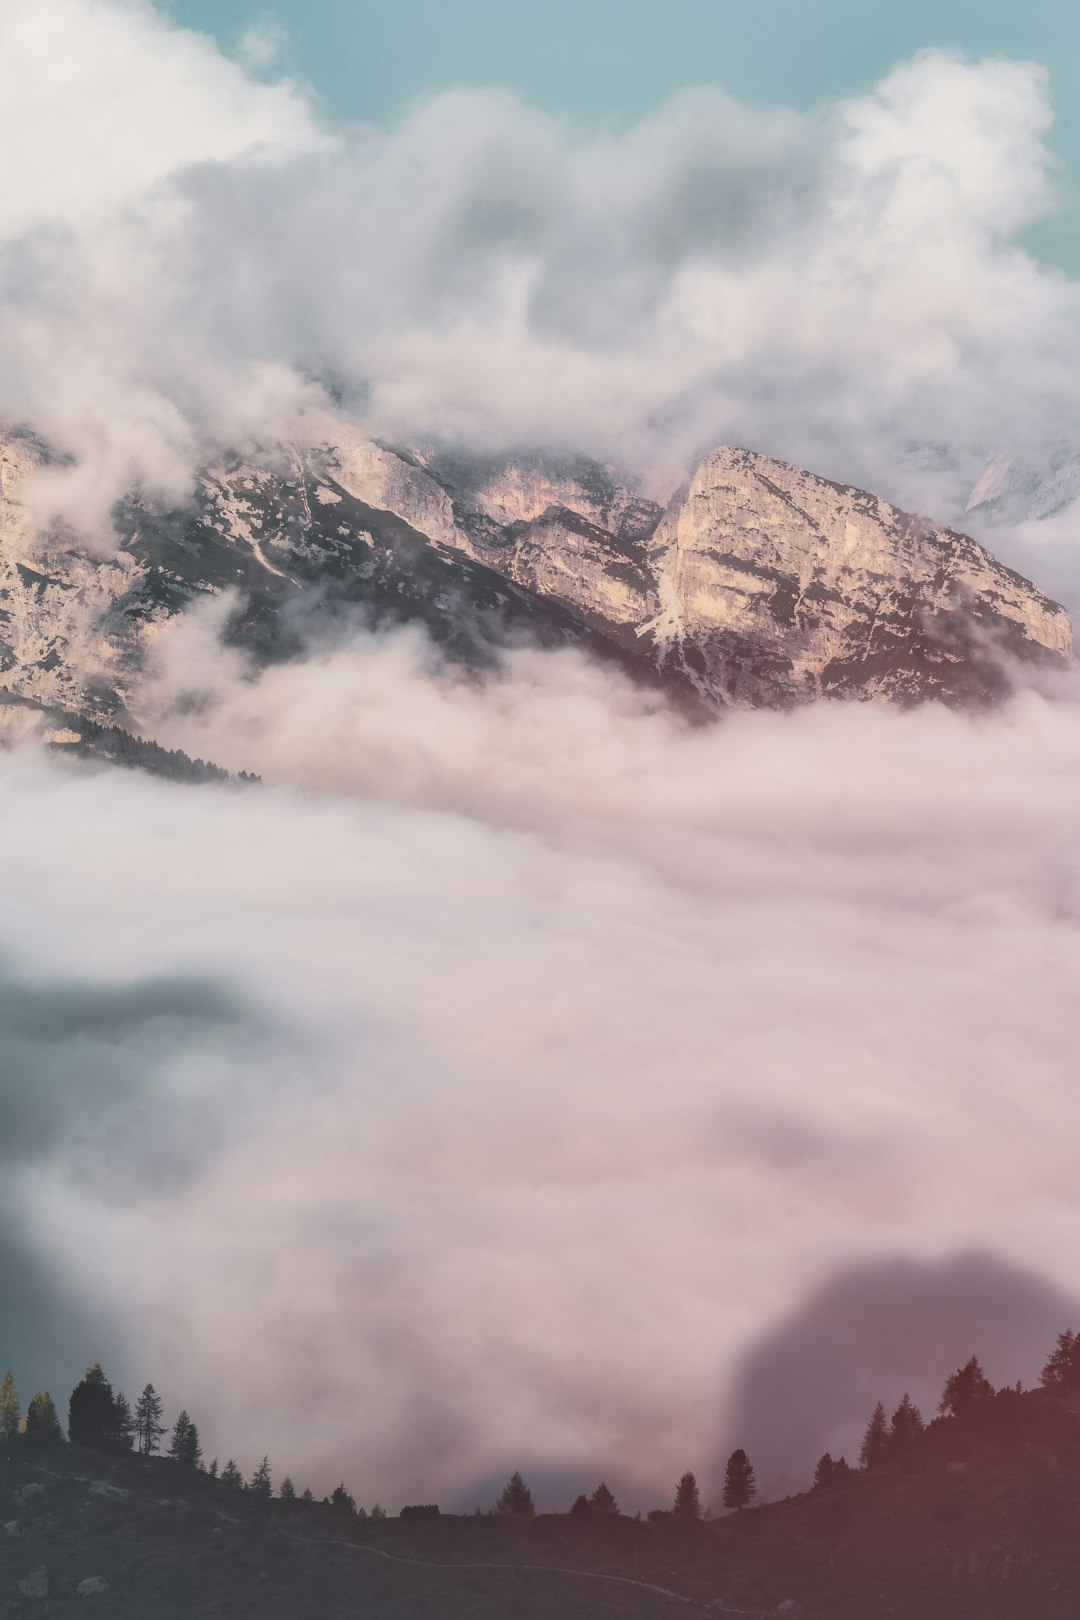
column 755, row 584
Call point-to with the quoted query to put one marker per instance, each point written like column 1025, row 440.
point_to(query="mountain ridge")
column 757, row 584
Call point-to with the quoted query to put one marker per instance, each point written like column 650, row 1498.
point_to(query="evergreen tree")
column 212, row 1470
column 840, row 1468
column 287, row 1493
column 516, row 1498
column 231, row 1476
column 341, row 1501
column 906, row 1424
column 148, row 1425
column 1062, row 1370
column 580, row 1506
column 967, row 1391
column 42, row 1425
column 10, row 1410
column 307, row 1494
column 378, row 1512
column 825, row 1472
column 687, row 1504
column 740, row 1486
column 260, row 1483
column 184, row 1445
column 92, row 1411
column 123, row 1424
column 602, row 1500
column 875, row 1446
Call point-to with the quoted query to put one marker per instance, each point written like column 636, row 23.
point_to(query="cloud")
column 611, row 1036
column 835, row 287
column 871, row 1333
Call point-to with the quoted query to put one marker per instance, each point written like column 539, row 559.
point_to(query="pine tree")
column 1062, row 1370
column 341, row 1501
column 602, row 1501
column 580, row 1507
column 92, row 1411
column 42, row 1425
column 148, row 1425
column 378, row 1512
column 687, row 1504
column 967, row 1391
column 184, row 1445
column 260, row 1483
column 307, row 1494
column 740, row 1486
column 824, row 1473
column 906, row 1425
column 212, row 1470
column 516, row 1498
column 123, row 1423
column 231, row 1476
column 875, row 1446
column 841, row 1467
column 287, row 1493
column 10, row 1410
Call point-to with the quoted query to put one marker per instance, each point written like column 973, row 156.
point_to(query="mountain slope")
column 760, row 584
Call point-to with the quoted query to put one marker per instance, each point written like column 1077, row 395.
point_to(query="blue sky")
column 366, row 59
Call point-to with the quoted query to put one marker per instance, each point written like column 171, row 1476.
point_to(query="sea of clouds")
column 521, row 1077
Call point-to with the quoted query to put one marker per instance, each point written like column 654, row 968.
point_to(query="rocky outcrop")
column 760, row 584
column 782, row 586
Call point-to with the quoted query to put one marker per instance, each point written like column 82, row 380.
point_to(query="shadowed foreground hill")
column 974, row 1522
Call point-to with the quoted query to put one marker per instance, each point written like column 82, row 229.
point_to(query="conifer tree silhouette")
column 740, row 1486
column 875, row 1445
column 148, row 1425
column 42, row 1425
column 10, row 1409
column 516, row 1498
column 687, row 1504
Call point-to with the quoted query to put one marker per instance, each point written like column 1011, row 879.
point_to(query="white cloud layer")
column 608, row 1039
column 183, row 252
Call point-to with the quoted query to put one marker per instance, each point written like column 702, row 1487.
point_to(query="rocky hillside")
column 977, row 1521
column 759, row 584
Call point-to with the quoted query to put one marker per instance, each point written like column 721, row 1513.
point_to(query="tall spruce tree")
column 10, row 1409
column 184, row 1446
column 906, row 1425
column 260, row 1483
column 92, row 1411
column 875, row 1445
column 148, row 1425
column 42, row 1425
column 825, row 1472
column 123, row 1424
column 967, row 1391
column 287, row 1492
column 740, row 1486
column 602, row 1501
column 341, row 1501
column 515, row 1499
column 231, row 1476
column 687, row 1504
column 1062, row 1369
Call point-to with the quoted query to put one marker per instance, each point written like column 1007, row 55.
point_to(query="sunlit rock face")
column 760, row 584
column 779, row 586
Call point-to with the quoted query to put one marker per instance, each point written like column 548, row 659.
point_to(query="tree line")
column 103, row 1419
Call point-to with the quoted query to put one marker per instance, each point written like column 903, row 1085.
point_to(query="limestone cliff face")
column 759, row 584
column 780, row 586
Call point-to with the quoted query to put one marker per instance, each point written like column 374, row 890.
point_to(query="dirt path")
column 540, row 1569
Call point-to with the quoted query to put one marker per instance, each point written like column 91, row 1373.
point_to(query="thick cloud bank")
column 188, row 259
column 607, row 1040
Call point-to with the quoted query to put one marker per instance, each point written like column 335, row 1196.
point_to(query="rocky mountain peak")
column 760, row 583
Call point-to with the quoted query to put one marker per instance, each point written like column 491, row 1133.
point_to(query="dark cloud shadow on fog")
column 871, row 1333
column 82, row 1093
column 80, row 1067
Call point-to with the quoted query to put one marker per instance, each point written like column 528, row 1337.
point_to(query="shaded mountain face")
column 760, row 584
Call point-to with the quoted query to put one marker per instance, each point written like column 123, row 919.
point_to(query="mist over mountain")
column 655, row 936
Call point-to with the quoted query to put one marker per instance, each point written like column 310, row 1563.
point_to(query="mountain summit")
column 759, row 585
